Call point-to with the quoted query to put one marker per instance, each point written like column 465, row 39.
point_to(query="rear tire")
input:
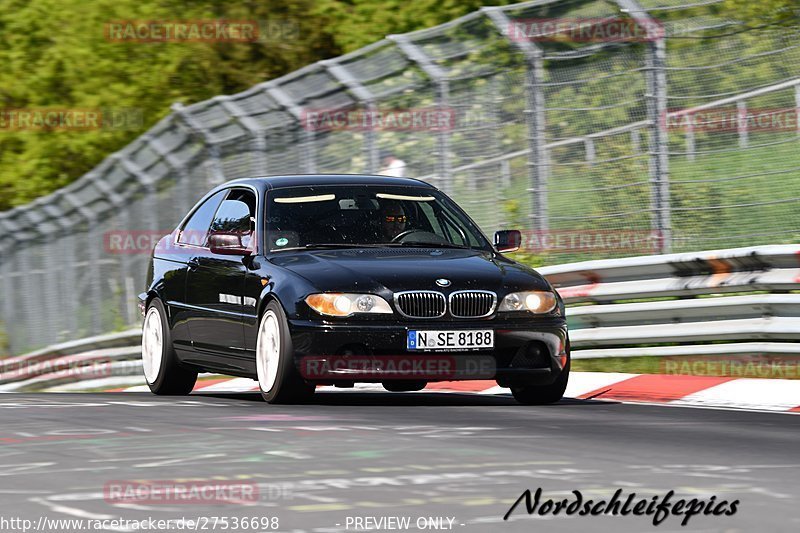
column 278, row 379
column 162, row 370
column 543, row 394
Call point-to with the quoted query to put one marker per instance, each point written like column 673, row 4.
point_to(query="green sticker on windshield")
column 283, row 241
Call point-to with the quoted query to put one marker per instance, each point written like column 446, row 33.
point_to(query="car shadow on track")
column 395, row 399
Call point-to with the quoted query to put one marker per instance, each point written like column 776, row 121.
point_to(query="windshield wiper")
column 324, row 245
column 417, row 244
column 313, row 245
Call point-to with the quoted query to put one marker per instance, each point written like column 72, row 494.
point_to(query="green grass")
column 728, row 176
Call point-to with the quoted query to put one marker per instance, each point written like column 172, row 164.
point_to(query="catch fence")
column 599, row 147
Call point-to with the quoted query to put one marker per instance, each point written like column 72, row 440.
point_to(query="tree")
column 56, row 56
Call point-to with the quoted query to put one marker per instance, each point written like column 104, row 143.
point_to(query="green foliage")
column 55, row 55
column 362, row 22
column 766, row 11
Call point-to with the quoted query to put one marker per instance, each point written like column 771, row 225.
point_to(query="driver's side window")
column 195, row 231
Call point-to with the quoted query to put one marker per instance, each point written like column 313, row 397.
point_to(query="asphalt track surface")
column 369, row 454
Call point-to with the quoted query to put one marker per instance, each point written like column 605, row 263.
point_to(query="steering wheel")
column 402, row 234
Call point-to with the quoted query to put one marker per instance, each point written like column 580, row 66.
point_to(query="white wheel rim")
column 152, row 345
column 268, row 351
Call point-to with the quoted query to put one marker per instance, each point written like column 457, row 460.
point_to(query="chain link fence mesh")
column 586, row 144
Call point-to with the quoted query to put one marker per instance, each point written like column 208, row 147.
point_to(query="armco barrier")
column 733, row 295
column 103, row 356
column 733, row 302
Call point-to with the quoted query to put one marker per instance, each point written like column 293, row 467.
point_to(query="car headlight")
column 533, row 301
column 345, row 304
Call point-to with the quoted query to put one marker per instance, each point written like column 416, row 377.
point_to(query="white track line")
column 581, row 383
column 744, row 393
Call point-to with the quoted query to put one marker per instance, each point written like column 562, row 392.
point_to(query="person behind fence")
column 392, row 165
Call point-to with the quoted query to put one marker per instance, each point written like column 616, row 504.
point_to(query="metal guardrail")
column 101, row 358
column 694, row 302
column 760, row 268
column 81, row 346
column 606, row 314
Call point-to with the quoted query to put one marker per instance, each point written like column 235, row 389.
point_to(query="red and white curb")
column 781, row 395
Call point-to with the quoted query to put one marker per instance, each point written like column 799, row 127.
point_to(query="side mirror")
column 507, row 240
column 224, row 243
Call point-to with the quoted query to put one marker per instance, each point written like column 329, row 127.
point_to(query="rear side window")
column 195, row 230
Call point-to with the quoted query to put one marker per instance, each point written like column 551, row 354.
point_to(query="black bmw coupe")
column 299, row 281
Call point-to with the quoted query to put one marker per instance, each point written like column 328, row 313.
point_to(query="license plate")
column 450, row 340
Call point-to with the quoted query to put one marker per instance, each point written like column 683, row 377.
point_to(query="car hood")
column 400, row 269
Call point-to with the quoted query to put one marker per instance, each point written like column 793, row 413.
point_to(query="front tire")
column 162, row 371
column 543, row 394
column 278, row 379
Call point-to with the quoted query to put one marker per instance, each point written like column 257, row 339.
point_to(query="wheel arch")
column 266, row 298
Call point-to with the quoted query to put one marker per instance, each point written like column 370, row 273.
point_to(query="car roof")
column 300, row 180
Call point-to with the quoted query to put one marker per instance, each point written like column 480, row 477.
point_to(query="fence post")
column 67, row 277
column 47, row 313
column 797, row 107
column 588, row 147
column 259, row 141
column 439, row 77
column 6, row 268
column 658, row 53
column 308, row 155
column 539, row 161
column 656, row 77
column 125, row 260
column 65, row 284
column 365, row 96
column 495, row 102
column 186, row 194
column 93, row 271
column 741, row 123
column 153, row 219
column 217, row 172
column 538, row 158
column 636, row 141
column 147, row 183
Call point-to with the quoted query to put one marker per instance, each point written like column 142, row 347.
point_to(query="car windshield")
column 367, row 216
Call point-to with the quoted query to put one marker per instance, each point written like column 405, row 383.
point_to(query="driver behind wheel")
column 393, row 219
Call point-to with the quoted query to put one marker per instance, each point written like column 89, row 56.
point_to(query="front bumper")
column 525, row 351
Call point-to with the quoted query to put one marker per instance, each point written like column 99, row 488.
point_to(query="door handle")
column 193, row 263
